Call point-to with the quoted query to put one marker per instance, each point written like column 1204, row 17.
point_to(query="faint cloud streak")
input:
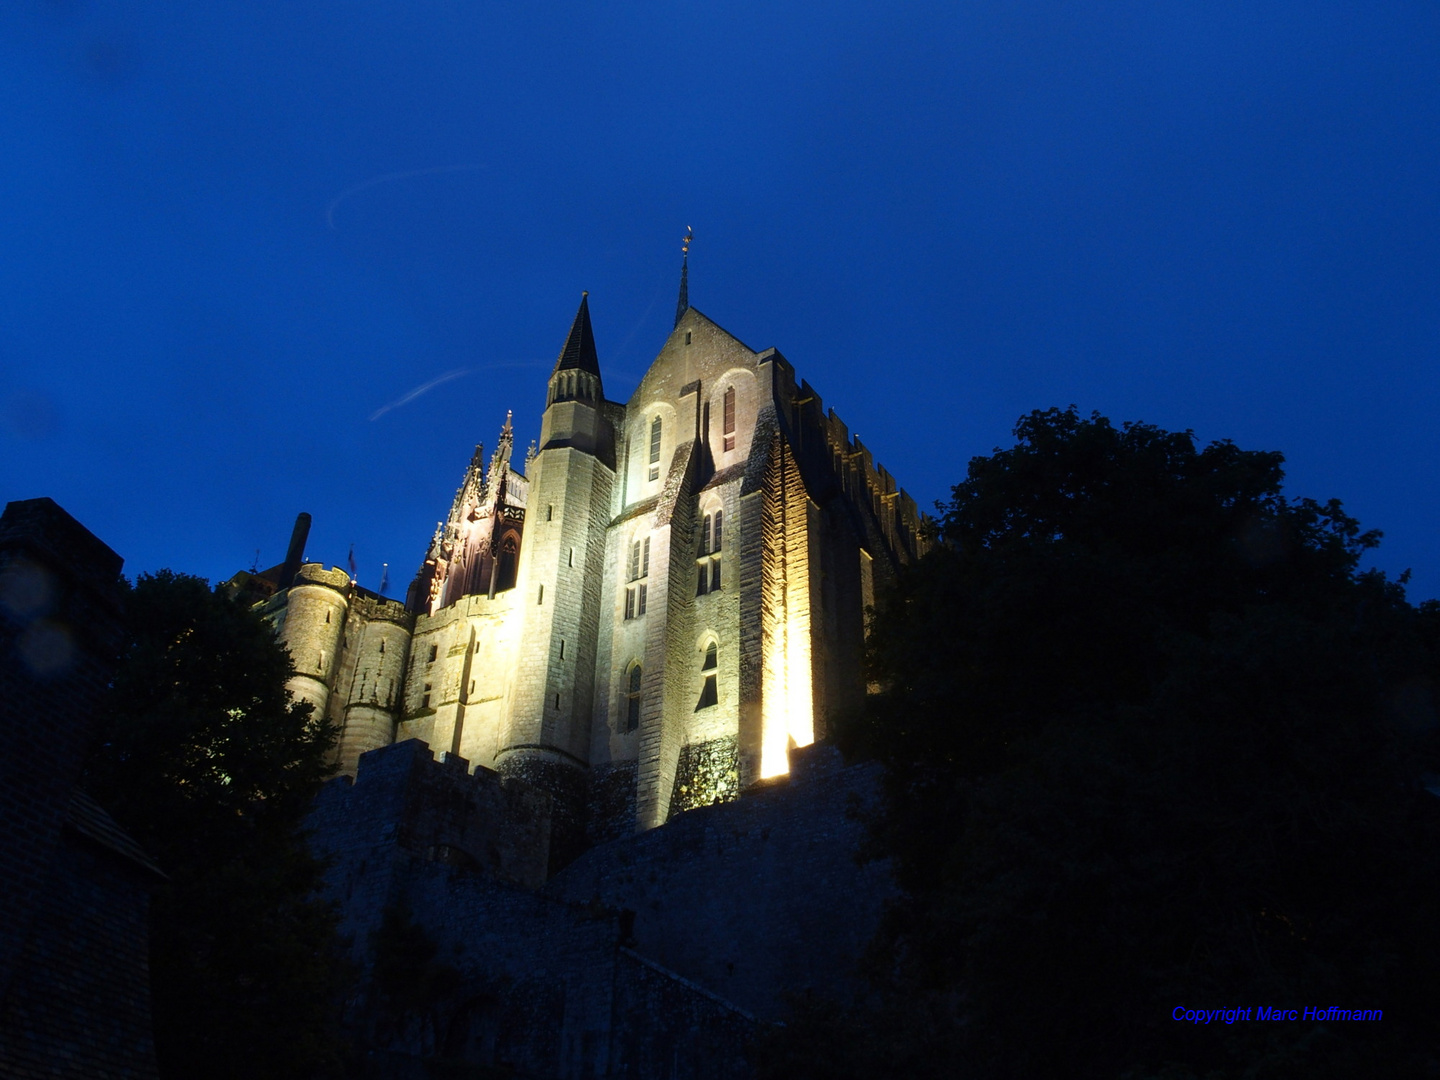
column 424, row 388
column 387, row 178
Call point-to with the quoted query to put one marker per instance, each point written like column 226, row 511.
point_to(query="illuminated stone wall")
column 458, row 676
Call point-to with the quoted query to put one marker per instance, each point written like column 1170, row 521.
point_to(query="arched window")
column 655, row 449
column 708, row 693
column 632, row 700
column 727, row 428
column 505, row 573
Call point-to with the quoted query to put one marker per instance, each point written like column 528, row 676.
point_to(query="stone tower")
column 571, row 481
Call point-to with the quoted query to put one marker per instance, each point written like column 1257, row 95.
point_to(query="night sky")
column 232, row 233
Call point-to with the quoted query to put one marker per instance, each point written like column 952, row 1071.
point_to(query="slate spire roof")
column 579, row 350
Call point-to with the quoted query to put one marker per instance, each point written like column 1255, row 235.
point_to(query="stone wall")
column 756, row 897
column 522, row 980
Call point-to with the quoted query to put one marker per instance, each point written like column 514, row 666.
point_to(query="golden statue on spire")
column 685, row 240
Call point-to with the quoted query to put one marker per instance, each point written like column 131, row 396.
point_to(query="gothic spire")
column 683, row 305
column 500, row 460
column 579, row 351
column 471, row 492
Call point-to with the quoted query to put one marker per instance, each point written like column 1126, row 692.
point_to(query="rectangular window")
column 645, row 559
column 714, row 575
column 629, row 603
column 705, row 536
column 640, row 600
column 562, row 648
column 719, row 515
column 702, row 583
column 728, row 426
column 540, row 596
column 634, row 560
column 434, row 652
column 655, row 449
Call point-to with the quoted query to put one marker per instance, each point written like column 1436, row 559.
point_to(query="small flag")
column 384, row 578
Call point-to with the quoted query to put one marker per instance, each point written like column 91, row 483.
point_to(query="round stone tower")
column 315, row 610
column 379, row 671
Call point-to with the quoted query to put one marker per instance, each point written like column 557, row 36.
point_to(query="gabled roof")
column 579, row 350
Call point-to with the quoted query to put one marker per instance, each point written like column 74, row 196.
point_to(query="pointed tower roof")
column 579, row 350
column 683, row 304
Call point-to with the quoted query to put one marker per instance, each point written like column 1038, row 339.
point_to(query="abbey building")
column 645, row 615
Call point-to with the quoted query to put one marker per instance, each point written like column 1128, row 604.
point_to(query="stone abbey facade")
column 647, row 616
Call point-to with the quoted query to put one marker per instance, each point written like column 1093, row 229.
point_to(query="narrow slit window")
column 382, row 648
column 714, row 575
column 640, row 601
column 719, row 517
column 727, row 429
column 645, row 558
column 655, row 449
column 632, row 700
column 562, row 648
column 629, row 603
column 572, row 557
column 434, row 652
column 705, row 536
column 540, row 596
column 702, row 583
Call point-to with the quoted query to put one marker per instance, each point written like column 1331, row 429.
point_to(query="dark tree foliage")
column 1152, row 739
column 207, row 762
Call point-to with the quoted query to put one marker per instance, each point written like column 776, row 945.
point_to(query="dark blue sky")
column 232, row 232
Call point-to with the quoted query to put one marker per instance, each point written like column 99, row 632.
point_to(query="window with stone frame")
column 654, row 473
column 727, row 427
